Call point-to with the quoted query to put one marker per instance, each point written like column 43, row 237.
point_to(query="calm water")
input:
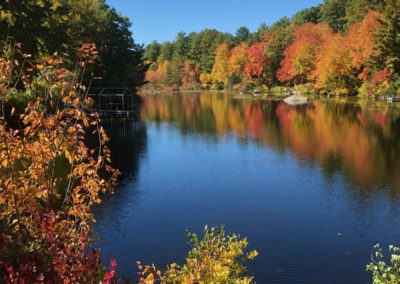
column 312, row 187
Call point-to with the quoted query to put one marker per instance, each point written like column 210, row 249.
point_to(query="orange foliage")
column 361, row 41
column 45, row 214
column 299, row 58
column 381, row 76
column 343, row 59
column 157, row 76
column 255, row 64
column 238, row 59
column 189, row 74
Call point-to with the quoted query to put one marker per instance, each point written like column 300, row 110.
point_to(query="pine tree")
column 388, row 38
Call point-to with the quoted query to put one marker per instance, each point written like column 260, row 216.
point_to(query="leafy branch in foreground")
column 217, row 258
column 50, row 176
column 382, row 272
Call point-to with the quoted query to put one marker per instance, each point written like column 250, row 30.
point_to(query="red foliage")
column 299, row 57
column 109, row 277
column 381, row 76
column 255, row 64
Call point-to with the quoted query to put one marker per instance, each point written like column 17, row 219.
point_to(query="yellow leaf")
column 4, row 163
column 150, row 279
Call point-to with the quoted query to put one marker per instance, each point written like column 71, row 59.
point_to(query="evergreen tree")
column 242, row 35
column 310, row 15
column 152, row 52
column 388, row 38
column 333, row 12
column 173, row 72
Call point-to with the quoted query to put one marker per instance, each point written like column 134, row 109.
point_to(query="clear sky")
column 161, row 20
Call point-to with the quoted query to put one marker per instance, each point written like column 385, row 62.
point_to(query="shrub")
column 382, row 272
column 217, row 258
column 45, row 215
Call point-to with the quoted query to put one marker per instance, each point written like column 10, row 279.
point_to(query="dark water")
column 312, row 187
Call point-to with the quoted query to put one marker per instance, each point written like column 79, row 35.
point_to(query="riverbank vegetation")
column 54, row 161
column 42, row 27
column 340, row 46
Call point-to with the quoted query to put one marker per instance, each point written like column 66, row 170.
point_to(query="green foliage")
column 166, row 52
column 173, row 73
column 310, row 15
column 242, row 35
column 333, row 12
column 47, row 26
column 383, row 272
column 153, row 51
column 281, row 37
column 357, row 9
column 182, row 45
column 388, row 38
column 258, row 35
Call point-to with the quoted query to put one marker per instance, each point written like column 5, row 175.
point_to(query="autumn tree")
column 333, row 71
column 46, row 214
column 189, row 74
column 299, row 57
column 361, row 41
column 220, row 71
column 236, row 62
column 255, row 63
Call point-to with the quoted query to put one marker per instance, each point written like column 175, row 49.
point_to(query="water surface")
column 313, row 187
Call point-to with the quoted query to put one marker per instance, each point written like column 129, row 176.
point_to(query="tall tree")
column 278, row 38
column 220, row 71
column 255, row 64
column 388, row 38
column 299, row 57
column 242, row 35
column 166, row 51
column 182, row 45
column 173, row 71
column 309, row 15
column 333, row 12
column 237, row 60
column 152, row 52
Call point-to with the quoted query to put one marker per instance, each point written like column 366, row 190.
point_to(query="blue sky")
column 161, row 20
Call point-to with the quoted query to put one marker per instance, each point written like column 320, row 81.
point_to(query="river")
column 313, row 187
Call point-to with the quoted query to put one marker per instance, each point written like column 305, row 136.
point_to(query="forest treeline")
column 43, row 27
column 340, row 46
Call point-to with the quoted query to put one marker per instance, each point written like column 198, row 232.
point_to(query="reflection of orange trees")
column 355, row 139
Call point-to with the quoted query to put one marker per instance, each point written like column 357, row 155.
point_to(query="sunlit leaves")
column 299, row 57
column 45, row 211
column 216, row 258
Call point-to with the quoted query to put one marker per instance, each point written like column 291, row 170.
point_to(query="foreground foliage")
column 50, row 176
column 217, row 258
column 382, row 272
